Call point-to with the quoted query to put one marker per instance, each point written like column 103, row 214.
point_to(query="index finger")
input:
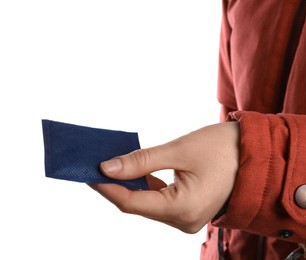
column 148, row 203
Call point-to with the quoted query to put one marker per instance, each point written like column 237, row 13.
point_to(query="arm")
column 262, row 187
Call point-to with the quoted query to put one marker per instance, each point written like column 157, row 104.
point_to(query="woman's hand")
column 205, row 164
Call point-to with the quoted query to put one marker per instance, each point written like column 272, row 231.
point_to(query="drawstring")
column 298, row 253
column 220, row 244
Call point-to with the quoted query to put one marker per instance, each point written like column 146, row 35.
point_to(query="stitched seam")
column 294, row 167
column 290, row 196
column 49, row 143
column 268, row 174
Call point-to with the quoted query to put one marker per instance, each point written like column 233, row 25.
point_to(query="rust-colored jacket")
column 262, row 75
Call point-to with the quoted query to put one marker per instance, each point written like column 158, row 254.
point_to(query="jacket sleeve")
column 272, row 168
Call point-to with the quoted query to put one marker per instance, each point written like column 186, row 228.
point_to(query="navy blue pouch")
column 74, row 152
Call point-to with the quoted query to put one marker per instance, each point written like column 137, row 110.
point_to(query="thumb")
column 140, row 162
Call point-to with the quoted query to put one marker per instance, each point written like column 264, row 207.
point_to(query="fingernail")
column 112, row 166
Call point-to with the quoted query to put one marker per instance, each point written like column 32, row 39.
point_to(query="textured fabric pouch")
column 74, row 152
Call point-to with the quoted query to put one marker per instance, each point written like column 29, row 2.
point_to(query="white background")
column 144, row 66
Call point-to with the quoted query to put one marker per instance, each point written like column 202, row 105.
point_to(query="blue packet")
column 74, row 152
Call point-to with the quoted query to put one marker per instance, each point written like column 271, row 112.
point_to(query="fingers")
column 155, row 183
column 163, row 206
column 150, row 204
column 141, row 162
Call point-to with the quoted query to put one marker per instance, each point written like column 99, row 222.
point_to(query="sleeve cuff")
column 260, row 134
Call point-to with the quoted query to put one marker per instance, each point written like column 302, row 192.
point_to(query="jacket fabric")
column 262, row 84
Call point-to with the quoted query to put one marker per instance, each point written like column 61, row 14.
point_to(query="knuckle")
column 124, row 204
column 125, row 208
column 140, row 158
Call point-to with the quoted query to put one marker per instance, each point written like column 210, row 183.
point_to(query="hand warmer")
column 74, row 152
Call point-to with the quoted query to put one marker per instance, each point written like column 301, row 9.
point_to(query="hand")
column 205, row 164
